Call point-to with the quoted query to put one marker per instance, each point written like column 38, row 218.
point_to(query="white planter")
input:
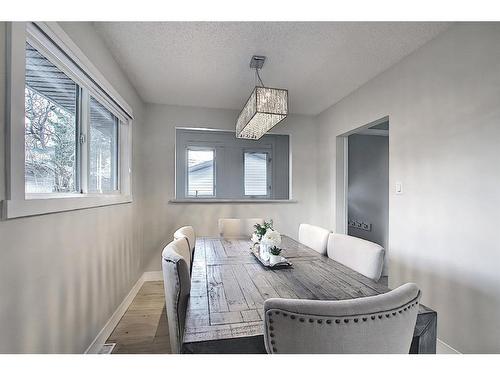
column 274, row 258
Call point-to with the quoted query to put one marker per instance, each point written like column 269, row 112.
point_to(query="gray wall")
column 444, row 112
column 368, row 186
column 162, row 218
column 62, row 275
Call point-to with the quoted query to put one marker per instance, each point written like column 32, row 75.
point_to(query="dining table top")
column 229, row 286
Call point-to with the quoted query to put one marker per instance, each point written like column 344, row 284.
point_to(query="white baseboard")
column 444, row 348
column 110, row 325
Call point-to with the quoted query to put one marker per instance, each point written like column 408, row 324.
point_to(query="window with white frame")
column 103, row 149
column 255, row 169
column 200, row 172
column 51, row 103
column 70, row 132
column 214, row 164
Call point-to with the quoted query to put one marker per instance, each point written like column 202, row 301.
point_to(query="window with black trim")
column 214, row 164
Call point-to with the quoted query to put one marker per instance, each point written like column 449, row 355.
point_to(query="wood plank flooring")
column 143, row 328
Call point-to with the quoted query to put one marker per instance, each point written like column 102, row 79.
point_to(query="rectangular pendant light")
column 264, row 109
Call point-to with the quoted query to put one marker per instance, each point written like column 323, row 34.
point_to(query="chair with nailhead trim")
column 362, row 256
column 177, row 283
column 188, row 233
column 314, row 237
column 375, row 324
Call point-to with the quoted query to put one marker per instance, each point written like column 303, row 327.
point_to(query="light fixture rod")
column 258, row 76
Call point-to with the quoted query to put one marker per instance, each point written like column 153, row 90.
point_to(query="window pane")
column 255, row 173
column 50, row 99
column 201, row 172
column 103, row 149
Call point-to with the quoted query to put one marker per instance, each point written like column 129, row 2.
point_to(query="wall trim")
column 444, row 348
column 110, row 325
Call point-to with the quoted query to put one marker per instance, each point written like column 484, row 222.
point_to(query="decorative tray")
column 284, row 263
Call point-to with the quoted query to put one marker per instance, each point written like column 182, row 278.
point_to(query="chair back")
column 188, row 233
column 238, row 227
column 314, row 237
column 177, row 283
column 378, row 324
column 362, row 256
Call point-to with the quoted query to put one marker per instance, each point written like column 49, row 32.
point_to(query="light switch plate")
column 399, row 188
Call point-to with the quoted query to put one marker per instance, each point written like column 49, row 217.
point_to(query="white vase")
column 273, row 259
column 264, row 251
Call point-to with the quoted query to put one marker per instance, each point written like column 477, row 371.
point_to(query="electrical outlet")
column 359, row 225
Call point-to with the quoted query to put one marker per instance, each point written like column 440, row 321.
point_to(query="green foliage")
column 275, row 250
column 260, row 230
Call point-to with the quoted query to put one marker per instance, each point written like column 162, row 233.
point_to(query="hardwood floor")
column 143, row 328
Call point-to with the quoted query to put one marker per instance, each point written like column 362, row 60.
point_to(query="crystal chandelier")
column 264, row 109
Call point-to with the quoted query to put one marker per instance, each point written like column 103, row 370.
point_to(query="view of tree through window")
column 103, row 153
column 50, row 127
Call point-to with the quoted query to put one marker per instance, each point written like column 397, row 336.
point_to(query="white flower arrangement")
column 255, row 238
column 271, row 238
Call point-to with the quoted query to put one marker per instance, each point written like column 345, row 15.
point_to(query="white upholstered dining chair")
column 238, row 227
column 188, row 233
column 362, row 256
column 177, row 284
column 314, row 237
column 378, row 324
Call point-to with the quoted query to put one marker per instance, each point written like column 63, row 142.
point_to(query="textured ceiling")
column 205, row 64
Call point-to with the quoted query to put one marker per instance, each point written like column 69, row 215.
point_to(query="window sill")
column 31, row 207
column 230, row 201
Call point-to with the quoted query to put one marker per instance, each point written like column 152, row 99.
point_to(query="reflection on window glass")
column 255, row 173
column 50, row 99
column 200, row 172
column 103, row 150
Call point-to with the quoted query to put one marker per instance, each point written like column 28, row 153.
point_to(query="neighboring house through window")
column 214, row 164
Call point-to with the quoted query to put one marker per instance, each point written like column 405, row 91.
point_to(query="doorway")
column 363, row 184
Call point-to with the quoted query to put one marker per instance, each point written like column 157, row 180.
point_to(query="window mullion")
column 117, row 160
column 84, row 141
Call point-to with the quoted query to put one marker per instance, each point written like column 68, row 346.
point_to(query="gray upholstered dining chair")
column 238, row 227
column 314, row 237
column 188, row 233
column 177, row 284
column 376, row 324
column 362, row 256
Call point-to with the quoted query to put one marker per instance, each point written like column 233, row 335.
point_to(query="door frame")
column 342, row 174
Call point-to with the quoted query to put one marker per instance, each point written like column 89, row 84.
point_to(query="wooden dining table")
column 229, row 287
